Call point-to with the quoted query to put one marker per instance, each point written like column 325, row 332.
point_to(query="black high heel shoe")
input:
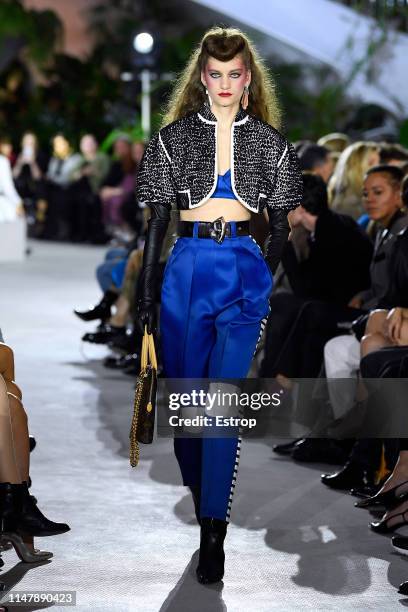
column 212, row 557
column 400, row 544
column 383, row 527
column 403, row 588
column 388, row 499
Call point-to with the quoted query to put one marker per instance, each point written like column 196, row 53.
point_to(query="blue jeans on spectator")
column 104, row 270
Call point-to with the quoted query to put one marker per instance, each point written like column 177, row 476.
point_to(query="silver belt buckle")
column 218, row 231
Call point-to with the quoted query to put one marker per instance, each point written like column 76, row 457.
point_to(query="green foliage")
column 133, row 131
column 310, row 114
column 87, row 95
column 39, row 31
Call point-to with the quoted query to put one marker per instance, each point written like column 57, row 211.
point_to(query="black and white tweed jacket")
column 180, row 164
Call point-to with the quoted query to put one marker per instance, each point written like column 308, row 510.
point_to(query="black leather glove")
column 278, row 236
column 156, row 231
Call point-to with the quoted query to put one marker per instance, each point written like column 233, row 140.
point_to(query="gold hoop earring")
column 245, row 97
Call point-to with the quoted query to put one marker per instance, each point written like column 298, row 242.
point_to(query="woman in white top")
column 10, row 201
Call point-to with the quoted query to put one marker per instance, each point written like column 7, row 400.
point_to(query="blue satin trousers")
column 214, row 305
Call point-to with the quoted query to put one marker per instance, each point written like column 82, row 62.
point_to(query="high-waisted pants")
column 214, row 305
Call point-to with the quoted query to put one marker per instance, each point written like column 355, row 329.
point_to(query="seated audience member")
column 6, row 149
column 119, row 185
column 317, row 322
column 383, row 201
column 133, row 213
column 124, row 278
column 393, row 494
column 336, row 142
column 393, row 154
column 385, row 328
column 21, row 519
column 28, row 172
column 10, row 201
column 59, row 177
column 316, row 160
column 326, row 260
column 120, row 278
column 346, row 183
column 88, row 177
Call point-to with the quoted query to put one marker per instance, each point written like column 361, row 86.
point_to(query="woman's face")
column 225, row 81
column 61, row 146
column 29, row 140
column 381, row 198
column 88, row 145
column 373, row 158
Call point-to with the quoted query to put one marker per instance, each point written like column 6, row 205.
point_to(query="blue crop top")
column 224, row 187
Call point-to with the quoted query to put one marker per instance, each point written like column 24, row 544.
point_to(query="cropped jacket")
column 179, row 167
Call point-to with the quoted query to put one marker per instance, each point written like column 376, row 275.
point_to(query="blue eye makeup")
column 234, row 75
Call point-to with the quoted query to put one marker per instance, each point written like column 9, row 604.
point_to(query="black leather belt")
column 217, row 230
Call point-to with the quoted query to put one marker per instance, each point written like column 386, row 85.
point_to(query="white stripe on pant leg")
column 234, row 479
column 263, row 324
column 239, row 441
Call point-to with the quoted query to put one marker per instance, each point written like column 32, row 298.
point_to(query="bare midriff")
column 231, row 210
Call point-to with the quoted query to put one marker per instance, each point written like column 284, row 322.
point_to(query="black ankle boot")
column 211, row 561
column 196, row 493
column 30, row 520
column 101, row 310
column 9, row 508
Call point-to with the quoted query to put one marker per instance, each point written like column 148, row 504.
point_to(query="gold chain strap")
column 134, row 444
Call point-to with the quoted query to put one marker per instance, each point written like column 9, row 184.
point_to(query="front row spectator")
column 317, row 160
column 318, row 321
column 10, row 201
column 20, row 518
column 326, row 262
column 346, row 183
column 384, row 329
column 342, row 354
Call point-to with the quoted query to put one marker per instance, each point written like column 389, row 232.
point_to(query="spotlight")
column 143, row 42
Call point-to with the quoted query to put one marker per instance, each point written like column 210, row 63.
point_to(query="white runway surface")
column 292, row 543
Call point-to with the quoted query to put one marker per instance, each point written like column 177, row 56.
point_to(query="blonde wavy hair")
column 224, row 44
column 346, row 183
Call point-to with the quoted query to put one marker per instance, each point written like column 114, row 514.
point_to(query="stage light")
column 143, row 42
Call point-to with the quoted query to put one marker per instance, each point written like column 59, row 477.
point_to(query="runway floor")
column 292, row 544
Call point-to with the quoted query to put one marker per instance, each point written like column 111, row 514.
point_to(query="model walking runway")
column 133, row 539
